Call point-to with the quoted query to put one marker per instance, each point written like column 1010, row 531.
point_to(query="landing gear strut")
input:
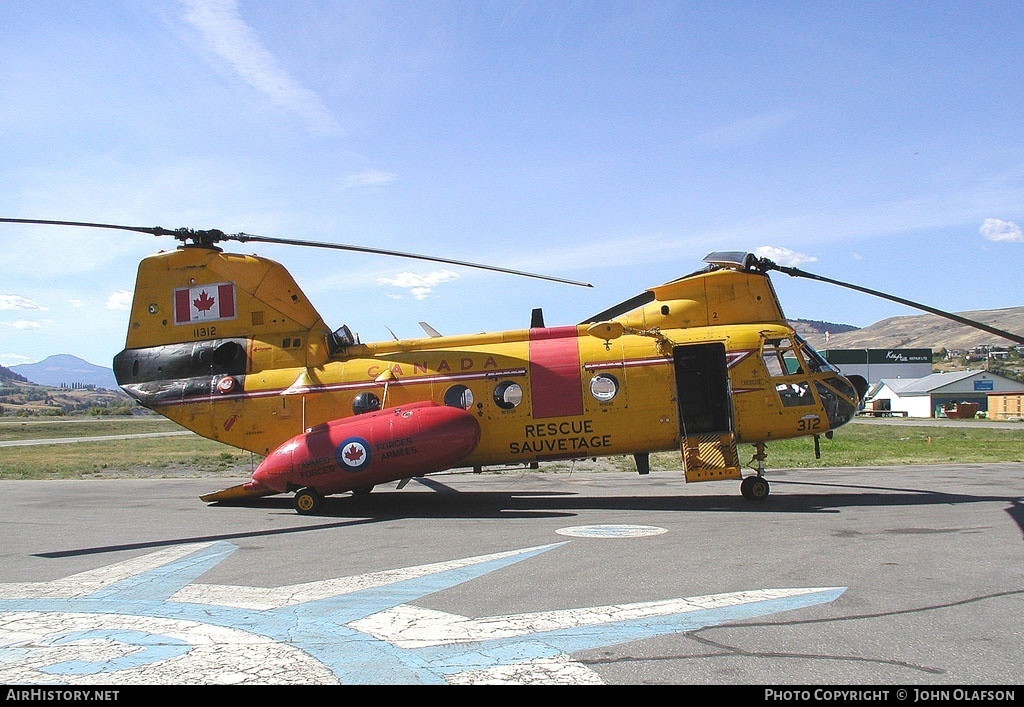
column 756, row 488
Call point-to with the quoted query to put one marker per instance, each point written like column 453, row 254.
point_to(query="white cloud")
column 120, row 300
column 368, row 178
column 13, row 359
column 995, row 229
column 227, row 35
column 783, row 256
column 22, row 324
column 18, row 302
column 419, row 286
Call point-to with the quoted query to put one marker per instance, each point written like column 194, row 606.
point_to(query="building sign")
column 848, row 356
column 984, row 384
column 899, row 355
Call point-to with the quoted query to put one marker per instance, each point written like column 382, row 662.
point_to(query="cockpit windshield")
column 815, row 361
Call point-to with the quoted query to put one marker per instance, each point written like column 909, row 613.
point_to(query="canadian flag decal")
column 204, row 303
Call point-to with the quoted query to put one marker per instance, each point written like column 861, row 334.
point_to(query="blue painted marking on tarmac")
column 316, row 627
column 161, row 582
column 155, row 648
column 356, row 657
column 319, row 628
column 509, row 651
column 358, row 605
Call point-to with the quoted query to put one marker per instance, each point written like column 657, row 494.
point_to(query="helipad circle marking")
column 611, row 531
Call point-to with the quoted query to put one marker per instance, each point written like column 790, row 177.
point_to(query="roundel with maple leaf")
column 353, row 454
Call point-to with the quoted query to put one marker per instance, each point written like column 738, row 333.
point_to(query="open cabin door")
column 707, row 441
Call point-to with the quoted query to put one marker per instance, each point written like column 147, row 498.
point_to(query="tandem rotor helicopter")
column 227, row 345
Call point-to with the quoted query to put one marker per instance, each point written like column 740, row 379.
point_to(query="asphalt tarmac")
column 887, row 577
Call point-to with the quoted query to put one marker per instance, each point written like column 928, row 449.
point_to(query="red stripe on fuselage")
column 555, row 372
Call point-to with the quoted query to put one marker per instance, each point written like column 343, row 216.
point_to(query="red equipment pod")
column 373, row 448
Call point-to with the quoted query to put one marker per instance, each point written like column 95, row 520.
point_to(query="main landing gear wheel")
column 755, row 488
column 308, row 501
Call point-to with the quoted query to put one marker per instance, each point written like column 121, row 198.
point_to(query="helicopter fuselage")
column 254, row 365
column 228, row 346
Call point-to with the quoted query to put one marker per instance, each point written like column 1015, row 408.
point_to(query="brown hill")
column 20, row 397
column 929, row 331
column 6, row 374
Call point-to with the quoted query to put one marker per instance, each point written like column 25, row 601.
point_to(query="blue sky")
column 616, row 143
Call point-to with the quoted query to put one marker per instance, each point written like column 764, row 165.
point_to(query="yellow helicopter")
column 227, row 345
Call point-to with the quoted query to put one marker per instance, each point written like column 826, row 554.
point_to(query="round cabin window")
column 604, row 387
column 459, row 396
column 508, row 395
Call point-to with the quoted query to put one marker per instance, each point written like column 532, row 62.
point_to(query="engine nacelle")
column 369, row 449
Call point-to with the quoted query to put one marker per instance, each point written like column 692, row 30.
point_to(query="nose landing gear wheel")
column 755, row 488
column 308, row 501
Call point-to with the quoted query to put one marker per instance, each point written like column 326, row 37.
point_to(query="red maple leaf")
column 203, row 302
column 353, row 453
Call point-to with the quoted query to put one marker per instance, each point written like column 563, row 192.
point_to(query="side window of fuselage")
column 786, row 368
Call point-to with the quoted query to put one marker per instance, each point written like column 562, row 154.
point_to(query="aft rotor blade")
column 243, row 237
column 765, row 264
column 155, row 231
column 209, row 237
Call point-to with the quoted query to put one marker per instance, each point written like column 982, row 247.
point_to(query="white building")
column 925, row 397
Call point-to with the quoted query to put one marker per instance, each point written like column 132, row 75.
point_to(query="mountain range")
column 67, row 371
column 926, row 331
column 923, row 331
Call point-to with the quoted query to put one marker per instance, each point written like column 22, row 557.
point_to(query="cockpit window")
column 780, row 358
column 782, row 361
column 798, row 393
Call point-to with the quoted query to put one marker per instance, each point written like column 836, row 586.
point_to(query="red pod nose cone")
column 275, row 470
column 353, row 452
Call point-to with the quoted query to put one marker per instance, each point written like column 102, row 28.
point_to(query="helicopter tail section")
column 202, row 320
column 198, row 293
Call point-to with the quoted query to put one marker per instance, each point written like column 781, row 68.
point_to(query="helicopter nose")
column 841, row 397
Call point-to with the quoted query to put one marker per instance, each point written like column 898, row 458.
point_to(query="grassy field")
column 183, row 455
column 15, row 428
column 173, row 456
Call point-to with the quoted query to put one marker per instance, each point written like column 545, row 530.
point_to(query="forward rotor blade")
column 765, row 264
column 209, row 237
